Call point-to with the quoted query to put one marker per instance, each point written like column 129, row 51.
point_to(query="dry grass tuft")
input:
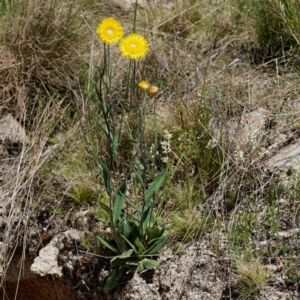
column 40, row 54
column 251, row 277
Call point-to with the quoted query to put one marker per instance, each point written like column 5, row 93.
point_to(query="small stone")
column 11, row 131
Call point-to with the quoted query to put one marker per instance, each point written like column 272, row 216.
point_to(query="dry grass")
column 209, row 77
column 40, row 42
column 250, row 277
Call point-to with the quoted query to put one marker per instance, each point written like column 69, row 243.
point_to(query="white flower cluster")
column 212, row 143
column 166, row 146
column 153, row 152
column 239, row 156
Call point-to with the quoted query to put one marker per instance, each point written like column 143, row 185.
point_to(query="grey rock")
column 11, row 131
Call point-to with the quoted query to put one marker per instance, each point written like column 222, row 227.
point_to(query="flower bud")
column 144, row 85
column 153, row 90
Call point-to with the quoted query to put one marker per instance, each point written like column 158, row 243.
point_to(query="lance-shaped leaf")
column 154, row 234
column 121, row 260
column 106, row 174
column 119, row 200
column 114, row 145
column 137, row 208
column 146, row 218
column 124, row 227
column 108, row 110
column 156, row 184
column 156, row 246
column 107, row 245
column 114, row 278
column 103, row 220
column 147, row 264
column 133, row 263
column 101, row 164
column 139, row 244
column 139, row 164
column 130, row 244
column 105, row 207
column 135, row 143
column 138, row 175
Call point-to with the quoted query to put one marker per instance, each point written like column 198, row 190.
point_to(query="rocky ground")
column 52, row 262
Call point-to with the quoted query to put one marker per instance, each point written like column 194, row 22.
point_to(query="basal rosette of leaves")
column 137, row 235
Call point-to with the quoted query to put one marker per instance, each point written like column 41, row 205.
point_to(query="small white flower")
column 239, row 156
column 166, row 146
column 212, row 143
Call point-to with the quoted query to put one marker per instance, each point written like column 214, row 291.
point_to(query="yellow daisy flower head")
column 144, row 85
column 110, row 31
column 134, row 46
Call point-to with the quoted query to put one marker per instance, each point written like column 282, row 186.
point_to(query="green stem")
column 107, row 123
column 141, row 116
column 134, row 17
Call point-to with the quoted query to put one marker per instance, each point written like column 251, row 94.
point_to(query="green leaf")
column 104, row 129
column 132, row 263
column 130, row 244
column 110, row 107
column 154, row 234
column 103, row 220
column 153, row 221
column 135, row 231
column 147, row 264
column 156, row 246
column 131, row 137
column 150, row 263
column 105, row 171
column 114, row 278
column 107, row 245
column 124, row 227
column 105, row 207
column 118, row 204
column 139, row 244
column 140, row 267
column 124, row 254
column 114, row 144
column 138, row 209
column 135, row 143
column 155, row 186
column 121, row 260
column 106, row 175
column 139, row 164
column 133, row 218
column 138, row 175
column 146, row 218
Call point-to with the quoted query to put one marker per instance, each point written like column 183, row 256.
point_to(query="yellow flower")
column 153, row 90
column 134, row 46
column 110, row 31
column 144, row 85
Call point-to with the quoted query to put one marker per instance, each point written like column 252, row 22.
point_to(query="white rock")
column 285, row 158
column 46, row 263
column 11, row 130
column 73, row 234
column 128, row 5
column 252, row 127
